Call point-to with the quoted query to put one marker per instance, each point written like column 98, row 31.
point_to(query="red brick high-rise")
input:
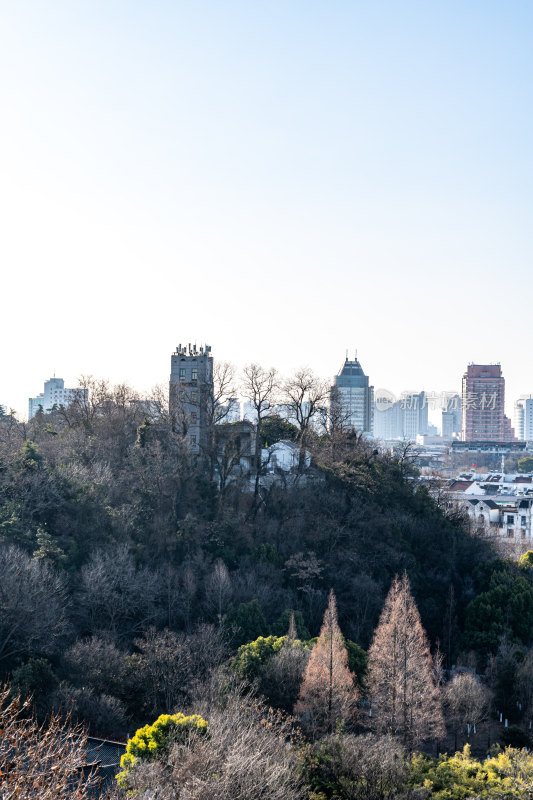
column 483, row 404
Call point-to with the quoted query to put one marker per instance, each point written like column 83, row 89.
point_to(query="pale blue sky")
column 281, row 180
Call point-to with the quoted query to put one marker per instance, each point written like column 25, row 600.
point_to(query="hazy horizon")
column 283, row 182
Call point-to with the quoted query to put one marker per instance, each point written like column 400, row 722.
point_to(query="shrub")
column 153, row 742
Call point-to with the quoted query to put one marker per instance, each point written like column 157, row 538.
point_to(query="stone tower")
column 191, row 394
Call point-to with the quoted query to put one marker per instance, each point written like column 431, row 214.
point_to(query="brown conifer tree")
column 328, row 692
column 406, row 701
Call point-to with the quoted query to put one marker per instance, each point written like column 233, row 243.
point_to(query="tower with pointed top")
column 356, row 397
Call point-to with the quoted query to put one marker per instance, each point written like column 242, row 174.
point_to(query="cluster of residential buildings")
column 497, row 504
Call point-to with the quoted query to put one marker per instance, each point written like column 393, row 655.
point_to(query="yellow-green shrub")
column 153, row 741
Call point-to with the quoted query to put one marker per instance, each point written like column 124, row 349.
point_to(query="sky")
column 285, row 181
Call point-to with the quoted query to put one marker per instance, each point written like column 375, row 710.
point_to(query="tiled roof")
column 460, row 486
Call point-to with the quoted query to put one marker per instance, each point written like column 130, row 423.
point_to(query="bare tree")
column 281, row 676
column 524, row 683
column 115, row 594
column 188, row 585
column 466, row 701
column 41, row 762
column 96, row 662
column 260, row 387
column 367, row 767
column 218, row 589
column 406, row 701
column 305, row 395
column 224, row 391
column 163, row 668
column 328, row 691
column 33, row 605
column 218, row 406
column 245, row 756
column 12, row 432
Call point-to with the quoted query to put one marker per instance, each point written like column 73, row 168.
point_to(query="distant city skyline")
column 434, row 398
column 284, row 180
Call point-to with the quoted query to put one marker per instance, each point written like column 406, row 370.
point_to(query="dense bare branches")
column 467, row 701
column 218, row 589
column 224, row 391
column 405, row 700
column 281, row 676
column 260, row 387
column 305, row 395
column 246, row 755
column 367, row 767
column 33, row 600
column 45, row 762
column 115, row 594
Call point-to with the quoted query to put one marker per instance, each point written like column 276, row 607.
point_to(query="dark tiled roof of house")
column 460, row 486
column 105, row 755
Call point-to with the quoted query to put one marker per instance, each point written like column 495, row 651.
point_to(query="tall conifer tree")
column 328, row 692
column 406, row 701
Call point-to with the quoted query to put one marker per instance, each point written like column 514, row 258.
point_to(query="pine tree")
column 328, row 692
column 406, row 701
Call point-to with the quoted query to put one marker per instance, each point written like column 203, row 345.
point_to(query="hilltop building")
column 54, row 395
column 191, row 393
column 355, row 397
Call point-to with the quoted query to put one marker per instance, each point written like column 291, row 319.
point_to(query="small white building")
column 285, row 456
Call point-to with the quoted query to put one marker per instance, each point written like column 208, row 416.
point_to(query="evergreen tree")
column 328, row 692
column 405, row 699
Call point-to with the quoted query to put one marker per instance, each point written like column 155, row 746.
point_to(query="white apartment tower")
column 523, row 418
column 54, row 395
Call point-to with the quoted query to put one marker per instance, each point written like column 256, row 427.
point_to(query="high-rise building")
column 191, row 393
column 483, row 404
column 415, row 415
column 54, row 395
column 388, row 421
column 451, row 419
column 523, row 418
column 355, row 397
column 406, row 418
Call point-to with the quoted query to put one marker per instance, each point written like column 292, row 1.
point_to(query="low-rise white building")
column 285, row 456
